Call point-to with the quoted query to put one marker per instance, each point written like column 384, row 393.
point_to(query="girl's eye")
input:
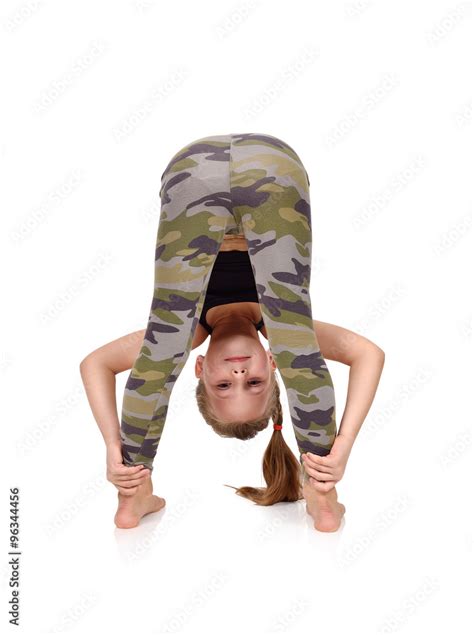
column 252, row 382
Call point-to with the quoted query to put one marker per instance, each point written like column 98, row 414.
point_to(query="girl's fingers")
column 321, row 468
column 318, row 461
column 130, row 483
column 128, row 470
column 128, row 486
column 134, row 477
column 323, row 487
column 127, row 492
column 320, row 476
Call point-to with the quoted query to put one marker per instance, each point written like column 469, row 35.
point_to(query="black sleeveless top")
column 231, row 280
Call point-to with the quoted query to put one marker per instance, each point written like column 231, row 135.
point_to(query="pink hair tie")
column 276, row 426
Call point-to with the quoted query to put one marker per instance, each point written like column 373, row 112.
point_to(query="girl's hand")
column 126, row 478
column 325, row 471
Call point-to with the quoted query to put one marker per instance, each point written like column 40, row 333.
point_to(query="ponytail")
column 281, row 469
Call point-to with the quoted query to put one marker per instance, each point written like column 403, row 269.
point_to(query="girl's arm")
column 366, row 361
column 98, row 370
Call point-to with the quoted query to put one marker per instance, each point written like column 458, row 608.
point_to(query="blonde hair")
column 281, row 469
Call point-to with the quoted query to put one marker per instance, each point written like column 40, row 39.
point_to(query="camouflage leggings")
column 253, row 184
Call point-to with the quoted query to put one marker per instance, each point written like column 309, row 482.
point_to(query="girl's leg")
column 270, row 196
column 195, row 212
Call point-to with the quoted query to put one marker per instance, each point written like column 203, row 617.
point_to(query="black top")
column 231, row 280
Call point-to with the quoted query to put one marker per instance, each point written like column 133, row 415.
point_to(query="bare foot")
column 132, row 508
column 324, row 508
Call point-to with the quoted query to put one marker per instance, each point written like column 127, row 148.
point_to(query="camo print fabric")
column 253, row 184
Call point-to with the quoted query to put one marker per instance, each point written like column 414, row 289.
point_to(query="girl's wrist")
column 113, row 444
column 347, row 437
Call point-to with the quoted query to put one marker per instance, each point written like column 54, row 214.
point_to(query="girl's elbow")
column 84, row 366
column 379, row 354
column 373, row 352
column 367, row 350
column 87, row 364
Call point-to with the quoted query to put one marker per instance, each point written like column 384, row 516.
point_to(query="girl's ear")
column 271, row 360
column 198, row 366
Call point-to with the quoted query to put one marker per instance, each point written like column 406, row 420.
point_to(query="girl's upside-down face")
column 237, row 373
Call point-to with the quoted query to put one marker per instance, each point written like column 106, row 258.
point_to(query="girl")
column 233, row 257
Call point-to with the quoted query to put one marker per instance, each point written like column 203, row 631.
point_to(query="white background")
column 375, row 98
